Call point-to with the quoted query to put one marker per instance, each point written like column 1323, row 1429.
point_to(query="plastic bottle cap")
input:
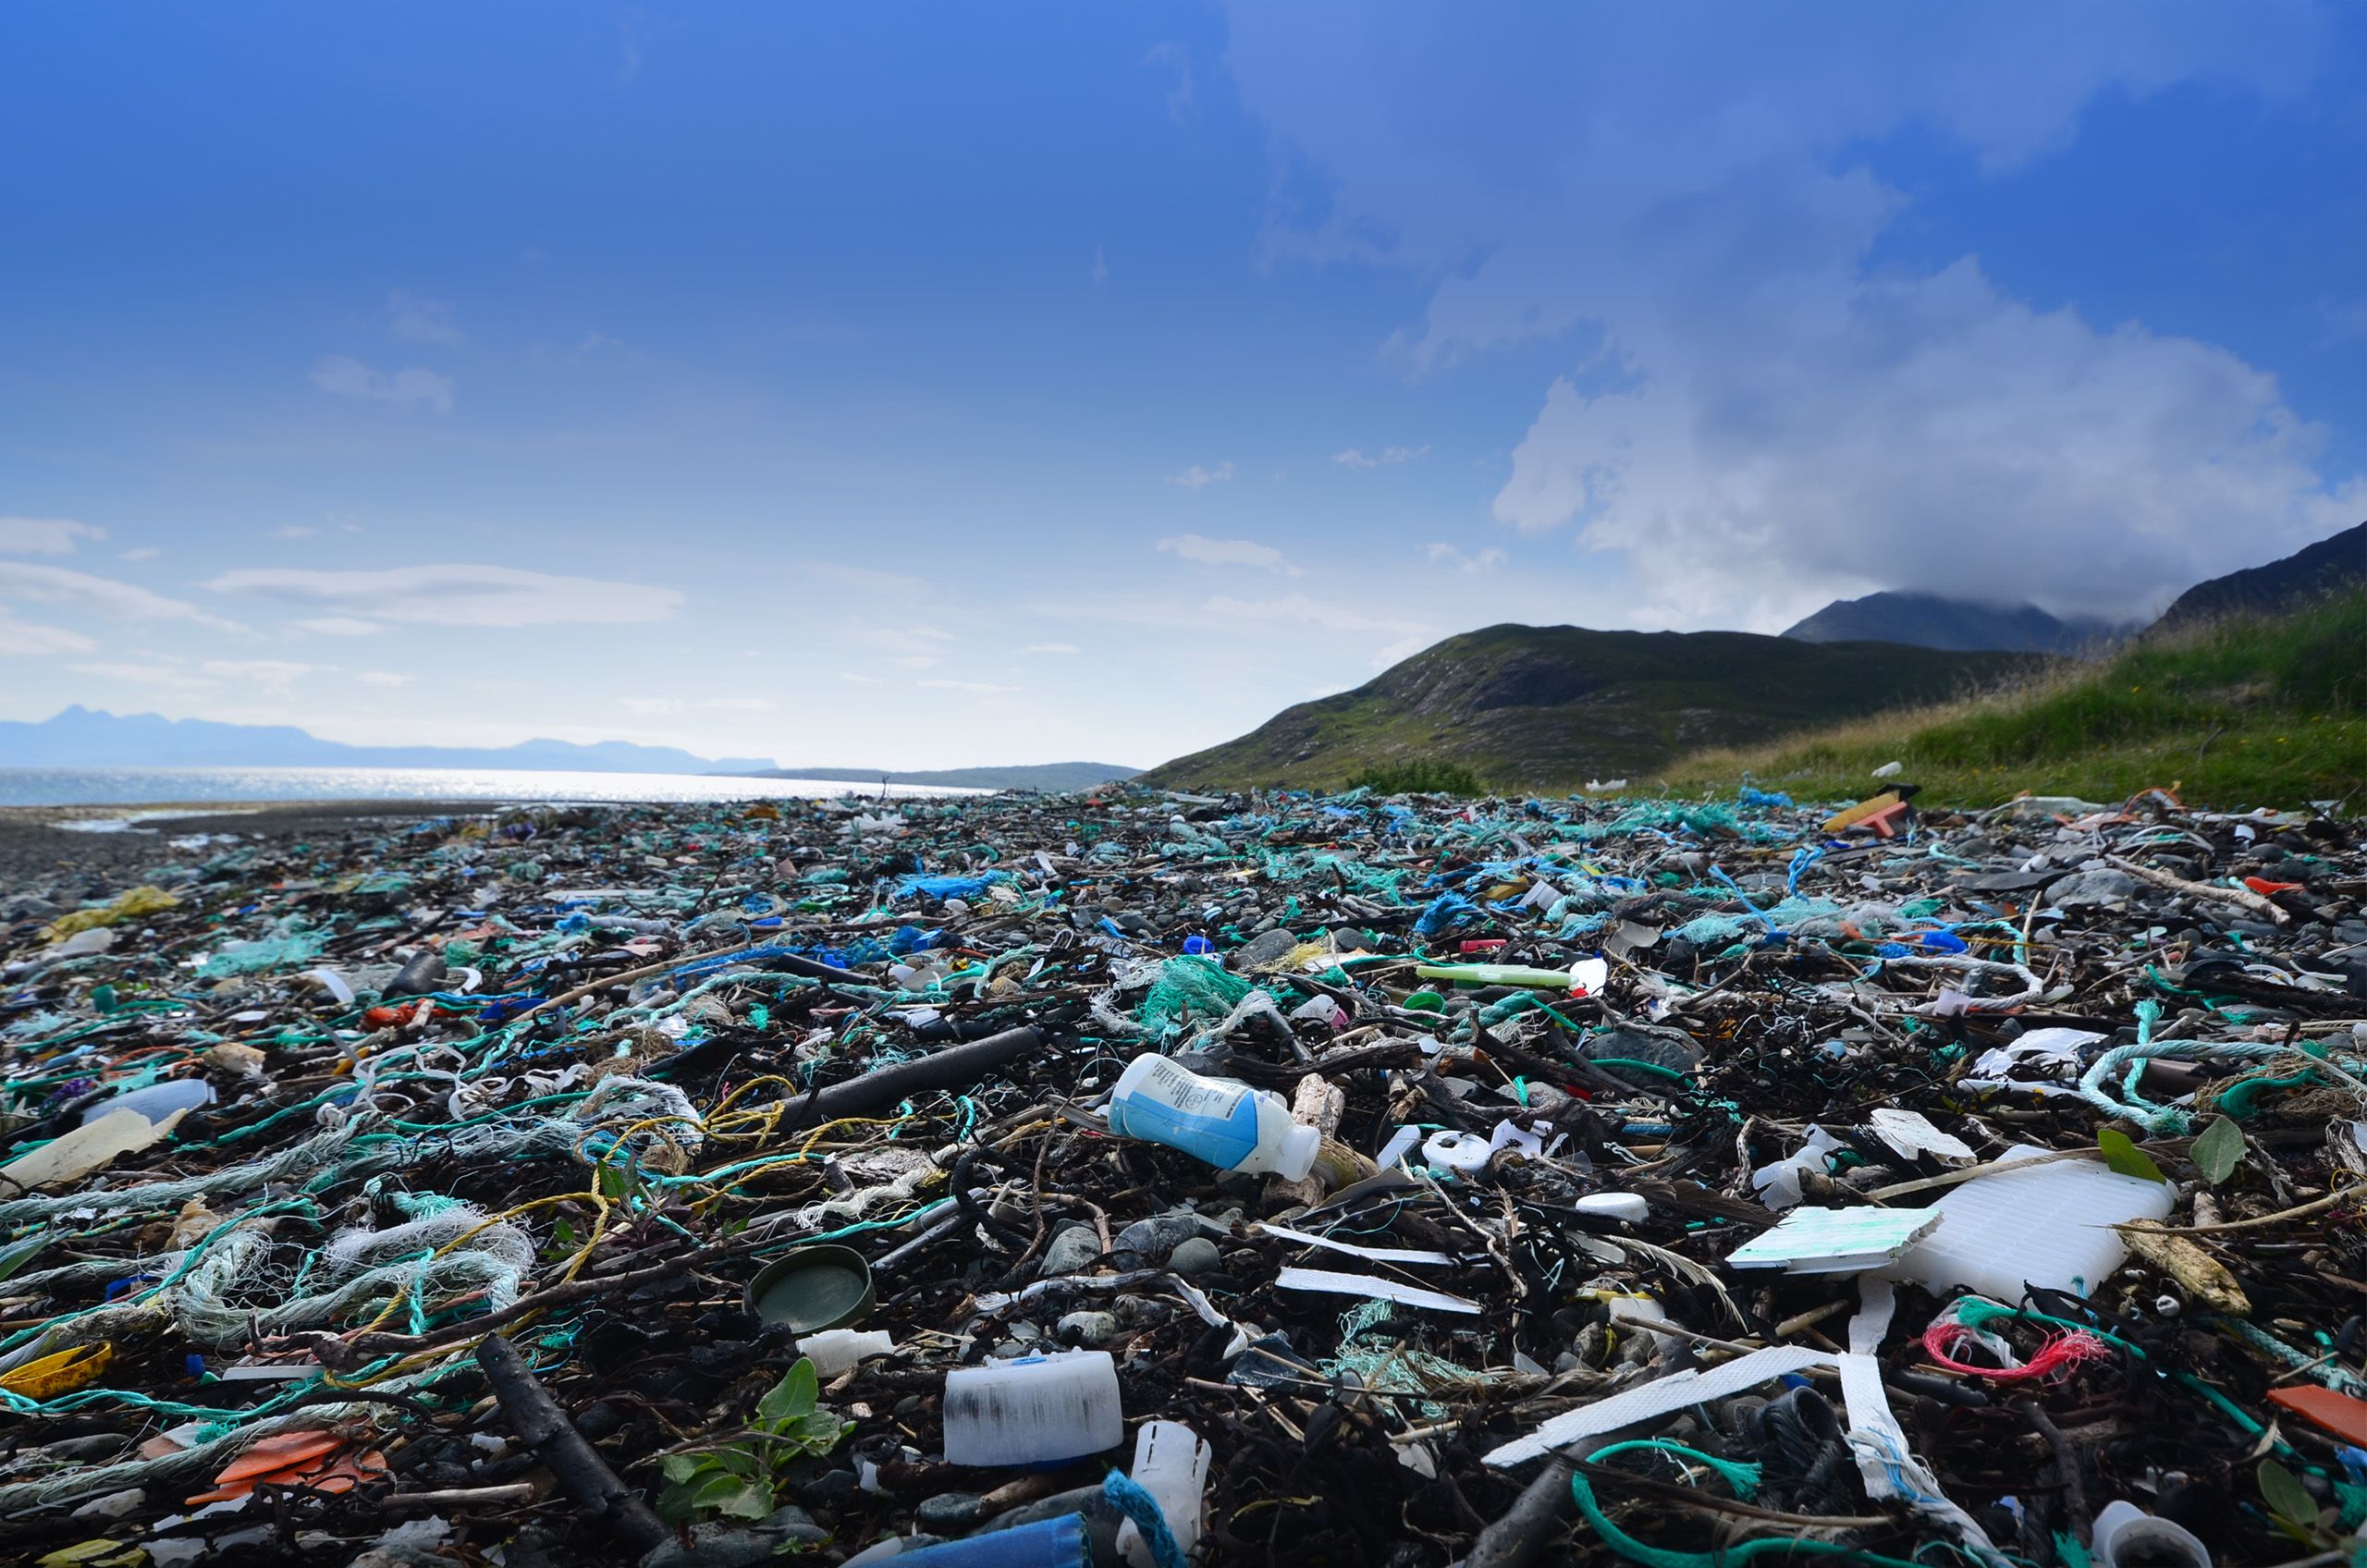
column 1300, row 1145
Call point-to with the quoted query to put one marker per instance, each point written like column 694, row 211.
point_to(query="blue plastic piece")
column 1198, row 946
column 1446, row 909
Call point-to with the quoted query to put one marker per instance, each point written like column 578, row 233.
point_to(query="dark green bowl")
column 812, row 1289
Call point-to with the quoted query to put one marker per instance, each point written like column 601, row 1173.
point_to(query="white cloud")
column 417, row 319
column 383, row 678
column 859, row 679
column 1177, row 62
column 917, row 661
column 1051, row 648
column 164, row 676
column 651, row 706
column 44, row 536
column 1198, row 478
column 294, row 530
column 1750, row 394
column 98, row 595
column 145, row 553
column 1447, row 555
column 1100, row 270
column 27, row 638
column 271, row 675
column 979, row 686
column 1404, row 638
column 347, row 377
column 341, row 626
column 1230, row 552
column 461, row 595
column 1388, row 457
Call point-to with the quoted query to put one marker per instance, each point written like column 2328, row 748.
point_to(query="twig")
column 2243, row 896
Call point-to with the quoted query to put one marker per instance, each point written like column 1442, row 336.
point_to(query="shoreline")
column 37, row 849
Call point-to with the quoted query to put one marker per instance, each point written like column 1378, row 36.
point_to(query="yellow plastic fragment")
column 60, row 1374
column 1859, row 813
column 142, row 901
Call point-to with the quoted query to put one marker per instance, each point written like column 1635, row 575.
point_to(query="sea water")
column 139, row 786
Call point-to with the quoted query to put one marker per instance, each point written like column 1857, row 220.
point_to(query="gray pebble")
column 1088, row 1329
column 1071, row 1251
column 950, row 1510
column 1197, row 1255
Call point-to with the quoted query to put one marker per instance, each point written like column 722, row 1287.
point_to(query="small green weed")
column 740, row 1479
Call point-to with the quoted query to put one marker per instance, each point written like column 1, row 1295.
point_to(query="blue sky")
column 942, row 384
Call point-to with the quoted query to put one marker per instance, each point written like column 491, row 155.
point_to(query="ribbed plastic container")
column 1032, row 1410
column 2051, row 1225
column 1171, row 1463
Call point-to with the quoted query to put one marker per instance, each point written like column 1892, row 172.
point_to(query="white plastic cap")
column 1300, row 1145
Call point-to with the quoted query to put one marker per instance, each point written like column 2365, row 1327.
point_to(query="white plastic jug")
column 1231, row 1125
column 1032, row 1410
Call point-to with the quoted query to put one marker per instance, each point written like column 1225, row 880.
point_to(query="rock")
column 2104, row 889
column 1090, row 1329
column 1071, row 1251
column 1196, row 1255
column 719, row 1545
column 1268, row 947
column 1146, row 1241
column 950, row 1510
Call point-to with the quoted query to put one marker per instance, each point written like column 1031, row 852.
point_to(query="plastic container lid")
column 812, row 1289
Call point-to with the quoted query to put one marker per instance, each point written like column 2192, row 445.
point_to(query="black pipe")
column 956, row 1067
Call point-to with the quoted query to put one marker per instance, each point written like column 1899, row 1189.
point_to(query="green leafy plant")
column 2219, row 1150
column 2126, row 1156
column 2291, row 1507
column 1422, row 776
column 740, row 1479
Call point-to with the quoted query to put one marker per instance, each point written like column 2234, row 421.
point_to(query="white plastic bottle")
column 1231, row 1125
column 1032, row 1410
column 1171, row 1463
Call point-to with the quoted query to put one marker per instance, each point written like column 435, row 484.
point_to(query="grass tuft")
column 2244, row 712
column 1422, row 776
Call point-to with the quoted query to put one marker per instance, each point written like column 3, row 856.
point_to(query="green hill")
column 1551, row 707
column 2240, row 712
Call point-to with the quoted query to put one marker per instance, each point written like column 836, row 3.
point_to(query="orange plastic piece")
column 2344, row 1416
column 278, row 1452
column 2264, row 887
column 1842, row 820
column 320, row 1462
column 1881, row 823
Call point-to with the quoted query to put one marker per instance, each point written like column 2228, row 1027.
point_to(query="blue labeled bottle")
column 1231, row 1125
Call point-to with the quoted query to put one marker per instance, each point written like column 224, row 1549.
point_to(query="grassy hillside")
column 2244, row 711
column 1549, row 708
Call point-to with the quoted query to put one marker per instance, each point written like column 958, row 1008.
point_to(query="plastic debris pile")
column 1156, row 1179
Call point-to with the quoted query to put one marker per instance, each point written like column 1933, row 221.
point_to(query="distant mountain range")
column 79, row 737
column 1545, row 706
column 1053, row 777
column 2325, row 566
column 1551, row 707
column 1928, row 621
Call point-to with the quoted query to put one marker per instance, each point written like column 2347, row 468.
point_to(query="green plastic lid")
column 812, row 1289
